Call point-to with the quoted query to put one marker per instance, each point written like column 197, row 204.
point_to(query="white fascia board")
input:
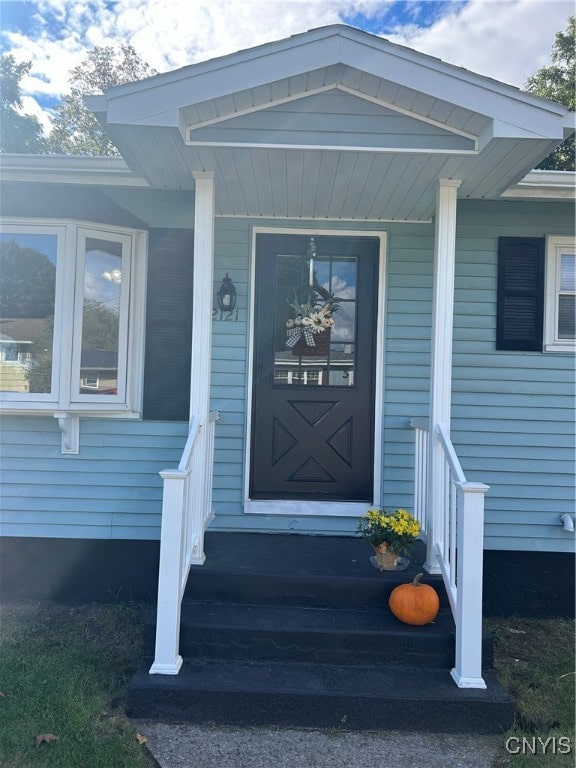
column 560, row 179
column 331, row 148
column 544, row 185
column 168, row 117
column 69, row 169
column 96, row 103
column 102, row 107
column 520, row 192
column 499, row 129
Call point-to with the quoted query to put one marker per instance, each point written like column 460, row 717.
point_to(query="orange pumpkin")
column 414, row 603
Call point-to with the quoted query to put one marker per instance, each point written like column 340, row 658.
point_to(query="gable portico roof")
column 332, row 123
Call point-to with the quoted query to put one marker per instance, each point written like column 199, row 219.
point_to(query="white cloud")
column 191, row 31
column 508, row 40
column 31, row 107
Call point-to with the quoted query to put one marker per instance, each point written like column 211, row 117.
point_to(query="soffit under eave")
column 144, row 148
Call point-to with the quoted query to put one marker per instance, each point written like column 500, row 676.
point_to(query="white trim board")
column 306, row 508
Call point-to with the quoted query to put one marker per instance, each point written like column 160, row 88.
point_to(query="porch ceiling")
column 331, row 124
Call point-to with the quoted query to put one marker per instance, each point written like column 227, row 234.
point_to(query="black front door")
column 313, row 395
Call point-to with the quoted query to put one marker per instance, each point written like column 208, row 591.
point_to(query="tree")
column 75, row 130
column 100, row 326
column 27, row 292
column 558, row 83
column 20, row 133
column 27, row 282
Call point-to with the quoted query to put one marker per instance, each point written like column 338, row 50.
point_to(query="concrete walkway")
column 193, row 746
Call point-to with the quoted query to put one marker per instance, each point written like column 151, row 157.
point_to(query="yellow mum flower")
column 398, row 529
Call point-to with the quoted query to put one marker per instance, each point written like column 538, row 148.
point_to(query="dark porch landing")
column 294, row 631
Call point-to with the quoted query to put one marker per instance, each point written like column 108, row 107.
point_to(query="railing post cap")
column 172, row 474
column 469, row 487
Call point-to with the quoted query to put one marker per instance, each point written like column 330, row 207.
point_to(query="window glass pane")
column 568, row 272
column 27, row 298
column 100, row 317
column 566, row 317
column 343, row 285
column 315, row 325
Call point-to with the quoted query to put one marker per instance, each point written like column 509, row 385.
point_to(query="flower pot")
column 386, row 559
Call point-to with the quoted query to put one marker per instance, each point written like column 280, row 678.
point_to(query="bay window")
column 71, row 318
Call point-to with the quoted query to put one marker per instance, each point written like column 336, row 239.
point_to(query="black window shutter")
column 520, row 312
column 168, row 325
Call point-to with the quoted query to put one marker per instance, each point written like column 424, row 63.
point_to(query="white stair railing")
column 458, row 544
column 186, row 514
column 420, row 427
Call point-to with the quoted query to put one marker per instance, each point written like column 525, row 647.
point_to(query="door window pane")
column 27, row 299
column 315, row 320
column 100, row 317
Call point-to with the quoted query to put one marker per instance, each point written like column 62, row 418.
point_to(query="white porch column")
column 203, row 298
column 200, row 368
column 441, row 354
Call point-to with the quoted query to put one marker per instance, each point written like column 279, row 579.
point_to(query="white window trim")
column 68, row 298
column 555, row 245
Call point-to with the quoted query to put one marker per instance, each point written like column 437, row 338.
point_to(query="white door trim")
column 319, row 508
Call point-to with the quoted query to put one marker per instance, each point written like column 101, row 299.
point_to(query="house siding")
column 513, row 412
column 110, row 490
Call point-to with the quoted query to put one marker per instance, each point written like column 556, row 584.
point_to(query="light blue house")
column 332, row 160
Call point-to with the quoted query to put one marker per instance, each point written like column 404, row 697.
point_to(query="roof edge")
column 319, row 33
column 544, row 185
column 75, row 169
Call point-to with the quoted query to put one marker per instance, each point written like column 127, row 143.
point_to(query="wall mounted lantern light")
column 226, row 296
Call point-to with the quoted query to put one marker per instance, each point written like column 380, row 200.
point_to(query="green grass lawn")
column 535, row 661
column 64, row 671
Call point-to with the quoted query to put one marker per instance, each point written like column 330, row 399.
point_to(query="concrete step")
column 305, row 695
column 295, row 631
column 294, row 570
column 319, row 635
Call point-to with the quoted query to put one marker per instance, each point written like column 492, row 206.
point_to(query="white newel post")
column 467, row 672
column 441, row 354
column 167, row 660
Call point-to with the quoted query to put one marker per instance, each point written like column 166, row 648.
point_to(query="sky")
column 508, row 40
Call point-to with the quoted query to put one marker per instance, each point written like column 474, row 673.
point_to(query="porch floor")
column 295, row 631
